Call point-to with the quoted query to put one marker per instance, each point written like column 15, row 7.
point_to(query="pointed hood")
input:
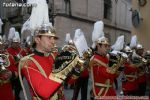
column 133, row 41
column 98, row 34
column 119, row 44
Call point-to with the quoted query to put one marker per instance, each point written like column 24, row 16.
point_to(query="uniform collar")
column 99, row 54
column 40, row 53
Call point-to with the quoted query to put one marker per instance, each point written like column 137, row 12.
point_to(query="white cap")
column 127, row 49
column 102, row 40
column 11, row 34
column 147, row 54
column 16, row 38
column 133, row 41
column 139, row 46
column 119, row 43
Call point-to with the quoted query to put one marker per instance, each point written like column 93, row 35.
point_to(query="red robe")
column 102, row 79
column 6, row 92
column 43, row 86
column 131, row 83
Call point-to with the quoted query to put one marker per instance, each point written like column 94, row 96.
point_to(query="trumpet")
column 69, row 48
column 4, row 61
column 87, row 54
column 138, row 60
column 116, row 61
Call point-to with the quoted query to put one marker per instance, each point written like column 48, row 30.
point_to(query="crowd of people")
column 48, row 68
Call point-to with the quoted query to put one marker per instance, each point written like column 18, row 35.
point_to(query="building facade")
column 69, row 15
column 12, row 15
column 141, row 27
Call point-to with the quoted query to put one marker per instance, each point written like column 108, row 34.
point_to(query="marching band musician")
column 81, row 80
column 147, row 57
column 38, row 68
column 139, row 50
column 102, row 78
column 45, row 73
column 8, row 72
column 17, row 52
column 102, row 75
column 69, row 42
column 79, row 67
column 129, row 81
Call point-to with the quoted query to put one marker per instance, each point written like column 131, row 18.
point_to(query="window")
column 67, row 6
column 107, row 9
column 21, row 1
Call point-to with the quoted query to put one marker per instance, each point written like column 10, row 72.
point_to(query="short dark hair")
column 96, row 48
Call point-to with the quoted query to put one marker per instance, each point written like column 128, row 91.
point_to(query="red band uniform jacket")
column 40, row 85
column 130, row 83
column 102, row 79
column 6, row 92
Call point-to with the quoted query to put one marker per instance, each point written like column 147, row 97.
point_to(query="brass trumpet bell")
column 4, row 61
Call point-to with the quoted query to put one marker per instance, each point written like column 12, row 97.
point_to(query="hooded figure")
column 133, row 42
column 11, row 34
column 82, row 81
column 119, row 44
column 1, row 40
column 68, row 39
column 1, row 23
column 80, row 42
column 98, row 34
column 39, row 16
column 16, row 38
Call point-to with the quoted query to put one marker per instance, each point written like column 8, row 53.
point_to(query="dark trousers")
column 116, row 83
column 131, row 93
column 142, row 89
column 81, row 83
column 17, row 88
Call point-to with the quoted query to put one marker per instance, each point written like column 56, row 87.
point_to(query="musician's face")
column 102, row 49
column 45, row 43
column 129, row 54
column 140, row 52
column 15, row 44
column 1, row 47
